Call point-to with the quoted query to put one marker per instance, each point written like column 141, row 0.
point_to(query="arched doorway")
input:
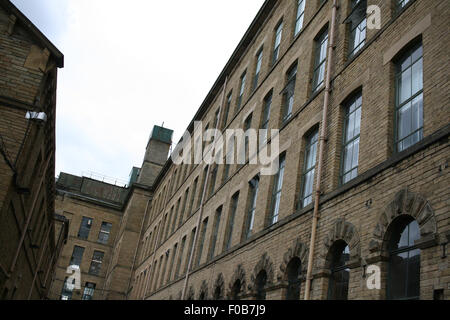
column 293, row 271
column 261, row 280
column 403, row 281
column 340, row 273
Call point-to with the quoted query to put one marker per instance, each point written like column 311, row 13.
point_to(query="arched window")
column 236, row 290
column 340, row 274
column 293, row 276
column 404, row 260
column 261, row 280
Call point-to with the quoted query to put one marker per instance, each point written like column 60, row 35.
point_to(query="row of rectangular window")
column 409, row 122
column 357, row 21
column 289, row 90
column 411, row 60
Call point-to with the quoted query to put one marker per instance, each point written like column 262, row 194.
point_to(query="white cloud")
column 130, row 65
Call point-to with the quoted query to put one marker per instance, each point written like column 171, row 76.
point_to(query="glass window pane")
column 355, row 153
column 348, row 157
column 417, row 113
column 300, row 16
column 85, row 228
column 405, row 86
column 413, row 279
column 309, row 179
column 404, row 121
column 418, row 52
column 277, row 187
column 405, row 63
column 404, row 267
column 319, row 65
column 417, row 76
column 340, row 275
column 280, row 179
column 323, row 50
column 413, row 232
column 321, row 74
column 309, row 171
column 350, row 126
column 278, row 35
column 276, row 208
column 77, row 256
column 104, row 233
column 346, row 178
column 357, row 129
column 397, row 275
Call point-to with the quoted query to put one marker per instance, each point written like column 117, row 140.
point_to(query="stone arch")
column 298, row 249
column 345, row 231
column 219, row 285
column 203, row 291
column 264, row 263
column 239, row 274
column 405, row 203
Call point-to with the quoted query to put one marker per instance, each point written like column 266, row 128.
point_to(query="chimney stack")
column 156, row 155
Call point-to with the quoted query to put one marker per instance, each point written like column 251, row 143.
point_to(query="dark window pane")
column 88, row 291
column 96, row 263
column 85, row 228
column 404, row 262
column 233, row 209
column 293, row 273
column 261, row 280
column 77, row 256
column 105, row 230
column 340, row 275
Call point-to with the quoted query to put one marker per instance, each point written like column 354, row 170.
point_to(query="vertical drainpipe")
column 200, row 216
column 322, row 140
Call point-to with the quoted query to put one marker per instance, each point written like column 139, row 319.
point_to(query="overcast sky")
column 130, row 65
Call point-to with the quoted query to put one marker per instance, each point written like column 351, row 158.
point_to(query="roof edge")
column 12, row 9
column 241, row 48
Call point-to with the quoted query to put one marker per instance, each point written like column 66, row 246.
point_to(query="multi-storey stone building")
column 31, row 237
column 358, row 93
column 105, row 224
column 363, row 118
column 94, row 210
